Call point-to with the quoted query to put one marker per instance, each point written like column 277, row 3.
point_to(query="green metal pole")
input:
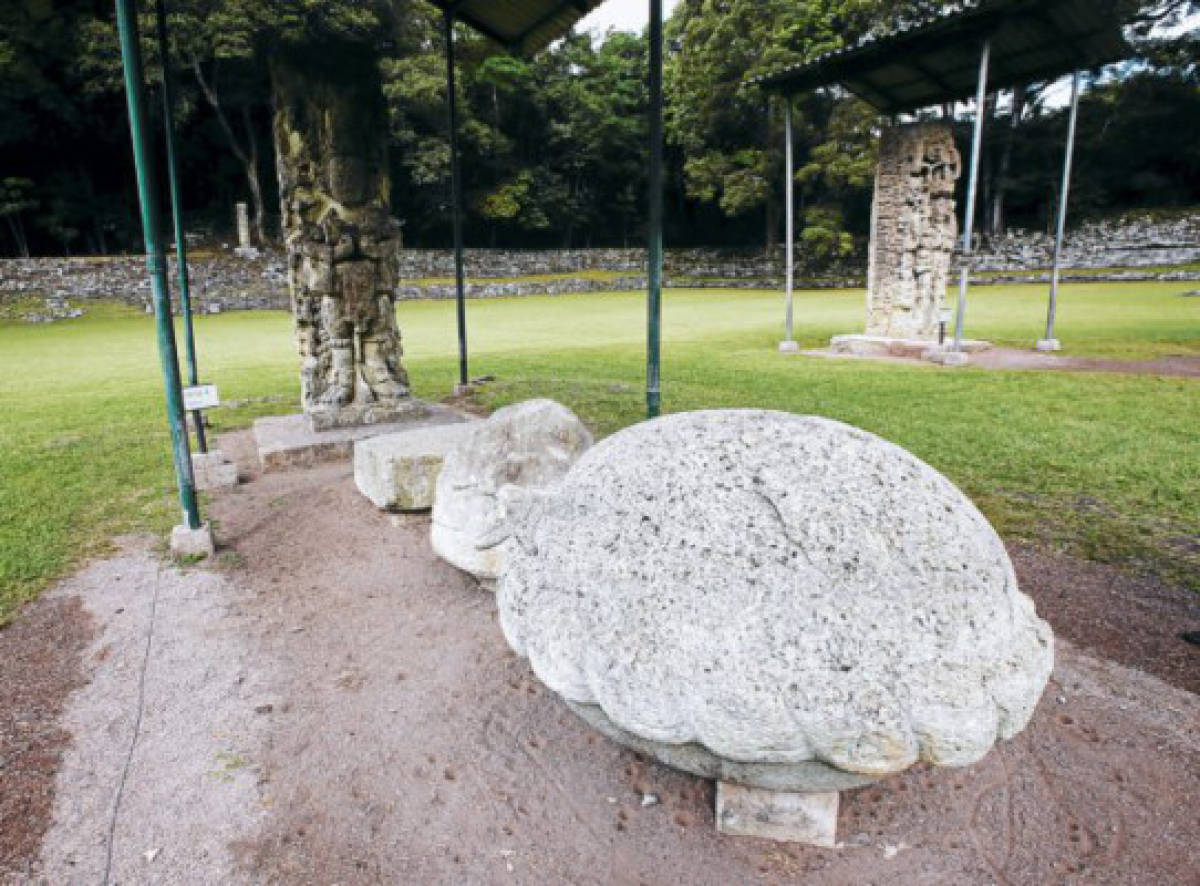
column 131, row 57
column 456, row 199
column 654, row 296
column 185, row 288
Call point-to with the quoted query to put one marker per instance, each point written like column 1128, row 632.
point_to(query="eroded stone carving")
column 774, row 600
column 331, row 149
column 913, row 231
column 495, row 474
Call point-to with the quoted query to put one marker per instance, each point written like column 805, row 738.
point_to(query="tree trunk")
column 248, row 157
column 258, row 221
column 331, row 137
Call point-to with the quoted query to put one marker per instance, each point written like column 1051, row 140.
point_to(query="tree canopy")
column 554, row 146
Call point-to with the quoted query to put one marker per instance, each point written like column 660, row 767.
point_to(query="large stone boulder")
column 495, row 475
column 780, row 601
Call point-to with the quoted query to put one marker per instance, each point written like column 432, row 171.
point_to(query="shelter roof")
column 936, row 60
column 522, row 26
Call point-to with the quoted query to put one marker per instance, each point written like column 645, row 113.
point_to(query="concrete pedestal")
column 949, row 358
column 789, row 347
column 777, row 815
column 1048, row 345
column 288, row 441
column 912, row 349
column 212, row 470
column 192, row 542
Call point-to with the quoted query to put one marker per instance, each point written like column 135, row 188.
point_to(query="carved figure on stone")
column 913, row 231
column 495, row 475
column 331, row 147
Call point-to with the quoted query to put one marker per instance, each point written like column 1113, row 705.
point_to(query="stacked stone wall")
column 1144, row 249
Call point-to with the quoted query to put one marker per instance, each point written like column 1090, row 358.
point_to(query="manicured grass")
column 1106, row 465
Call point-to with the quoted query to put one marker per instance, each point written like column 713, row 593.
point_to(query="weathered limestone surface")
column 778, row 590
column 288, row 441
column 777, row 815
column 331, row 135
column 399, row 472
column 211, row 470
column 913, row 231
column 495, row 476
column 192, row 543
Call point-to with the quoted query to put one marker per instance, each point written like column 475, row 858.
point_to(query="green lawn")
column 1106, row 465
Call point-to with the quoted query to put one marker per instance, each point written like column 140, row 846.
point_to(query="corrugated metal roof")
column 522, row 26
column 937, row 60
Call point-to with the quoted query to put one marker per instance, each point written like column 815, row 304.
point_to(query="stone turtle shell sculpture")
column 783, row 601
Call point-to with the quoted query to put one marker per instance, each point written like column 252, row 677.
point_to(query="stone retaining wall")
column 225, row 282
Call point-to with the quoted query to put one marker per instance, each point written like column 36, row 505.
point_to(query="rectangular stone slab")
column 287, row 441
column 399, row 472
column 211, row 470
column 777, row 815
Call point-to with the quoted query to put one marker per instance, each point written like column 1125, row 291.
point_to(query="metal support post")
column 456, row 198
column 1049, row 343
column 972, row 192
column 789, row 343
column 185, row 290
column 148, row 194
column 654, row 295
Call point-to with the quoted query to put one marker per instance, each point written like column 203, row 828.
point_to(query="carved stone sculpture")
column 331, row 149
column 779, row 601
column 913, row 231
column 495, row 474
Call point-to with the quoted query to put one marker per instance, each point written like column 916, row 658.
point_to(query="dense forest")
column 554, row 146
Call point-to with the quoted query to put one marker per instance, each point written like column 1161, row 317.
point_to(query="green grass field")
column 1107, row 466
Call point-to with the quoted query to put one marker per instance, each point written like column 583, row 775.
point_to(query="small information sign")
column 201, row 397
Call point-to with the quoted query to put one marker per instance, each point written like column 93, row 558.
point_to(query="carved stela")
column 913, row 231
column 331, row 149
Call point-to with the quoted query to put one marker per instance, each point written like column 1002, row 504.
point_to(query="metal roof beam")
column 550, row 16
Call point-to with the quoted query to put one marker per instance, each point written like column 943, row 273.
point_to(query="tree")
column 16, row 197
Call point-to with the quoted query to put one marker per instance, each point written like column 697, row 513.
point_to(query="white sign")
column 201, row 397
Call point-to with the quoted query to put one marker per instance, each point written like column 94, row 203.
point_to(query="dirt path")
column 1012, row 358
column 332, row 704
column 1017, row 359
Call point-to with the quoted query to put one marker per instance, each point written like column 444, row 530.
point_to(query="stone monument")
column 494, row 474
column 331, row 134
column 784, row 603
column 913, row 239
column 245, row 248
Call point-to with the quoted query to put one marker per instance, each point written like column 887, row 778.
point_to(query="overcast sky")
column 626, row 15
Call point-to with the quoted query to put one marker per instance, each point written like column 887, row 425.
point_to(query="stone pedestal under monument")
column 913, row 349
column 288, row 441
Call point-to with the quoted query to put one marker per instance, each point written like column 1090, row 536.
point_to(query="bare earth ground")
column 332, row 704
column 1019, row 359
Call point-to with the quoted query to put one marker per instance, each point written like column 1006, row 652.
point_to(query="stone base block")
column 949, row 358
column 773, row 815
column 398, row 472
column 789, row 347
column 1048, row 345
column 289, row 442
column 356, row 415
column 247, row 252
column 914, row 349
column 192, row 542
column 212, row 471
